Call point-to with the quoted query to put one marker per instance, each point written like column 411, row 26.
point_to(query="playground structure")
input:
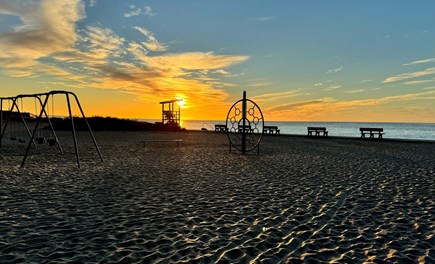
column 41, row 100
column 245, row 125
column 170, row 114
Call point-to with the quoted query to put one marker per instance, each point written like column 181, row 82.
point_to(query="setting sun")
column 181, row 103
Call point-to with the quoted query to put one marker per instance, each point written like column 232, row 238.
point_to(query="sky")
column 335, row 60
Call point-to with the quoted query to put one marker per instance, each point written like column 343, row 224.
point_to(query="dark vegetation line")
column 96, row 123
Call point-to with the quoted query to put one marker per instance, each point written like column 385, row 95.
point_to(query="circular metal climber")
column 245, row 124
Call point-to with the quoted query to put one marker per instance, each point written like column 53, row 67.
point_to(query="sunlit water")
column 347, row 129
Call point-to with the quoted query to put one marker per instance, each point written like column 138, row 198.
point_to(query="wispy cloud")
column 334, row 70
column 301, row 105
column 409, row 75
column 420, row 62
column 419, row 82
column 149, row 12
column 152, row 43
column 260, row 84
column 272, row 97
column 355, row 91
column 191, row 61
column 332, row 87
column 222, row 72
column 324, row 107
column 92, row 3
column 136, row 11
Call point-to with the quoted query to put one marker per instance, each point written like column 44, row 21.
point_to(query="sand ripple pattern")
column 301, row 201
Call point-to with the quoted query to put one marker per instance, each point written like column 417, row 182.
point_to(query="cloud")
column 327, row 105
column 300, row 105
column 355, row 91
column 102, row 42
column 48, row 43
column 152, row 43
column 418, row 82
column 260, row 84
column 191, row 61
column 420, row 62
column 222, row 72
column 92, row 3
column 147, row 11
column 47, row 27
column 409, row 75
column 272, row 97
column 332, row 87
column 334, row 70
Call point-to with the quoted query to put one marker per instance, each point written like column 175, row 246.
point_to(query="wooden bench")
column 317, row 131
column 161, row 140
column 371, row 131
column 271, row 130
column 220, row 128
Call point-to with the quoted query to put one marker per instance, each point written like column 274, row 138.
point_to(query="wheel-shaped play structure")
column 245, row 124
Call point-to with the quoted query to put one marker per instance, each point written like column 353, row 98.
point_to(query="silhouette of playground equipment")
column 245, row 125
column 36, row 137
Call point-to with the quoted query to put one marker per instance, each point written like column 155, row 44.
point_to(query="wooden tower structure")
column 171, row 113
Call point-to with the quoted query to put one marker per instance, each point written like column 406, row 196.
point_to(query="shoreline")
column 385, row 139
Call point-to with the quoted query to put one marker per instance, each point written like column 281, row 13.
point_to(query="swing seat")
column 40, row 140
column 51, row 141
column 21, row 140
column 13, row 138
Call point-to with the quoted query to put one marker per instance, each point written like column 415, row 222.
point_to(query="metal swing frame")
column 15, row 106
column 43, row 112
column 38, row 121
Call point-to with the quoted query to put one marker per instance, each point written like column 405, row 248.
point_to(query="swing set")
column 41, row 102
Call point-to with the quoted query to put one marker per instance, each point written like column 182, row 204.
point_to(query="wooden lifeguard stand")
column 170, row 114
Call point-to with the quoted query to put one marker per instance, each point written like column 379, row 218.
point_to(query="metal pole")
column 89, row 128
column 163, row 113
column 51, row 127
column 1, row 121
column 34, row 132
column 7, row 120
column 73, row 131
column 24, row 122
column 243, row 123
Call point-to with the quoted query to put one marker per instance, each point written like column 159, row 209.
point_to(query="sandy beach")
column 301, row 200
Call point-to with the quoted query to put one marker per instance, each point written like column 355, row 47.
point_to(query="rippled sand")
column 301, row 200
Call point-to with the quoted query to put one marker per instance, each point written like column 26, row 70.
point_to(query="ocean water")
column 424, row 131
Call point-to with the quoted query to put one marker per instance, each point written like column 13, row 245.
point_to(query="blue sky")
column 300, row 60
